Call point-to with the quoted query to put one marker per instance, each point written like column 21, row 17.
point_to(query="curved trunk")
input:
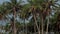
column 36, row 24
column 34, row 16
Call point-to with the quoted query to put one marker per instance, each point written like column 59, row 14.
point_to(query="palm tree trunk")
column 36, row 24
column 39, row 26
column 47, row 24
column 1, row 28
column 26, row 28
column 47, row 27
column 34, row 16
column 42, row 24
column 34, row 28
column 14, row 16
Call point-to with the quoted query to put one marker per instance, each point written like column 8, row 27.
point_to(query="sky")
column 1, row 1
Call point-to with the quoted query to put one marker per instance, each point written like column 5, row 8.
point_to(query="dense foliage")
column 36, row 16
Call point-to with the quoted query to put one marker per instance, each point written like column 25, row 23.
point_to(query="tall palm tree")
column 24, row 15
column 46, row 9
column 2, row 14
column 34, row 4
column 13, row 6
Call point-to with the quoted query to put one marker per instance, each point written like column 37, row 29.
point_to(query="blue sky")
column 1, row 1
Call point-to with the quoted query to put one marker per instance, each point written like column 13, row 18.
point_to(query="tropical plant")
column 13, row 6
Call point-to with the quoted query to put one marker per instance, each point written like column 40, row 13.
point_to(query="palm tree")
column 24, row 15
column 13, row 6
column 48, row 10
column 34, row 4
column 2, row 14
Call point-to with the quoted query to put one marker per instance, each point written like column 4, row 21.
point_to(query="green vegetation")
column 36, row 16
